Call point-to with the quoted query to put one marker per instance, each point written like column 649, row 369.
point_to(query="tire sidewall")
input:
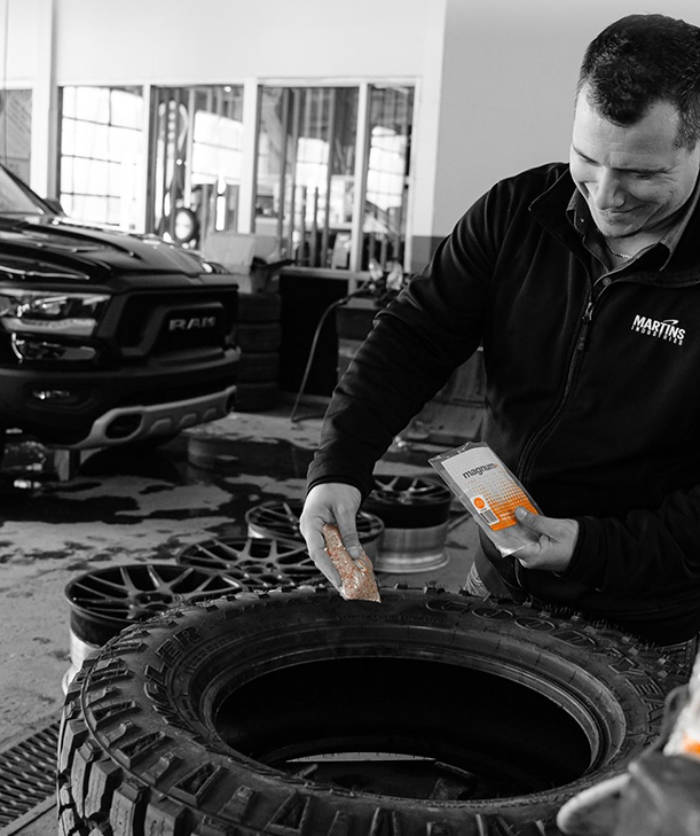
column 151, row 680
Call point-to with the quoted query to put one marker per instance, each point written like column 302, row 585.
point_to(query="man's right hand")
column 338, row 504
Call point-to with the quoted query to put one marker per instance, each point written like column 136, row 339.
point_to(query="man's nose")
column 609, row 192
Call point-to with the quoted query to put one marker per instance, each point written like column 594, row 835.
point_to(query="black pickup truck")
column 107, row 337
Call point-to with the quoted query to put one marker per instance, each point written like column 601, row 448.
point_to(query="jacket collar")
column 551, row 210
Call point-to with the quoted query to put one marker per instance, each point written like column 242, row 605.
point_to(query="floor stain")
column 120, row 508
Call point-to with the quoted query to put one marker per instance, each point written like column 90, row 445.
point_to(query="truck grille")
column 163, row 322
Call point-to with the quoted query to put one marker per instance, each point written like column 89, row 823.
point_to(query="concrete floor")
column 117, row 508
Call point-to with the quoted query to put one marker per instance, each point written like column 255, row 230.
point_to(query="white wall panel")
column 208, row 41
column 495, row 78
column 507, row 88
column 21, row 40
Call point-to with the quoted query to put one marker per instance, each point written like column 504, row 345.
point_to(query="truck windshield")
column 17, row 199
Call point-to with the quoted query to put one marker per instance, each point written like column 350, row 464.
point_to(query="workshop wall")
column 494, row 78
column 20, row 62
column 507, row 88
column 177, row 41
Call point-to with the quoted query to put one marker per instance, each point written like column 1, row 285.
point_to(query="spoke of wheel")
column 128, row 582
column 159, row 582
column 292, row 515
column 180, row 580
column 111, row 586
column 103, row 604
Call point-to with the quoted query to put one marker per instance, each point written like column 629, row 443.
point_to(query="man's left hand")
column 554, row 547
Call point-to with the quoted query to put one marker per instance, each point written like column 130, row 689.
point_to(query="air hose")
column 369, row 288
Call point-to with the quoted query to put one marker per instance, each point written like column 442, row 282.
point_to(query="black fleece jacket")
column 593, row 394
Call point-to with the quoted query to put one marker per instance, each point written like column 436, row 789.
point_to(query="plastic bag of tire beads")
column 357, row 580
column 489, row 491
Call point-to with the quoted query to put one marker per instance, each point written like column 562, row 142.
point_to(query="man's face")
column 633, row 177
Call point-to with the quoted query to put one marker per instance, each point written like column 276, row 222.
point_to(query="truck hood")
column 41, row 243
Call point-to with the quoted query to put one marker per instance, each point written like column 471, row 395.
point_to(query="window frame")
column 252, row 98
column 362, row 148
column 15, row 163
column 139, row 164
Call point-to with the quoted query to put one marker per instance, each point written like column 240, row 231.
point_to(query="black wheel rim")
column 280, row 521
column 106, row 600
column 409, row 502
column 256, row 562
column 408, row 490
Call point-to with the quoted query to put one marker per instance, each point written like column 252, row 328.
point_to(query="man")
column 583, row 284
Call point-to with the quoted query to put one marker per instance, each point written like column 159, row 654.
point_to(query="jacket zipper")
column 537, row 439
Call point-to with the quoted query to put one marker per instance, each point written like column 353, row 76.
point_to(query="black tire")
column 180, row 725
column 253, row 337
column 259, row 335
column 260, row 367
column 259, row 307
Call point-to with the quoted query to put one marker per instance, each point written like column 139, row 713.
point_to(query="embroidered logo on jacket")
column 665, row 329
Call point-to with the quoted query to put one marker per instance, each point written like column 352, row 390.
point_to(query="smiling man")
column 582, row 283
column 635, row 166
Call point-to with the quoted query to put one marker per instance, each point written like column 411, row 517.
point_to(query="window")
column 197, row 160
column 306, row 187
column 305, row 171
column 16, row 131
column 326, row 180
column 384, row 222
column 101, row 155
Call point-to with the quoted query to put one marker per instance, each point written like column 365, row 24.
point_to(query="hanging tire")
column 295, row 712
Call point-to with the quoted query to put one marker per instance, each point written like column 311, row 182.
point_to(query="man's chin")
column 617, row 227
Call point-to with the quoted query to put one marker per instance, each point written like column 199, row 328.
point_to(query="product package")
column 356, row 575
column 489, row 491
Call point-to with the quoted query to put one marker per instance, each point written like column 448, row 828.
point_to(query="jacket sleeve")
column 415, row 344
column 642, row 550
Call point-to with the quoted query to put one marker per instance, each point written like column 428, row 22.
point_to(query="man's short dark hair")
column 639, row 60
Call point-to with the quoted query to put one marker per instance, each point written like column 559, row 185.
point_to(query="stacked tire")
column 259, row 335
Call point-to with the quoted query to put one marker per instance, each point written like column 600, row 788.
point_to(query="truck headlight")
column 51, row 312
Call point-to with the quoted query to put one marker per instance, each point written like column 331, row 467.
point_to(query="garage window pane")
column 384, row 223
column 92, row 104
column 197, row 160
column 16, row 130
column 306, row 192
column 102, row 154
column 305, row 172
